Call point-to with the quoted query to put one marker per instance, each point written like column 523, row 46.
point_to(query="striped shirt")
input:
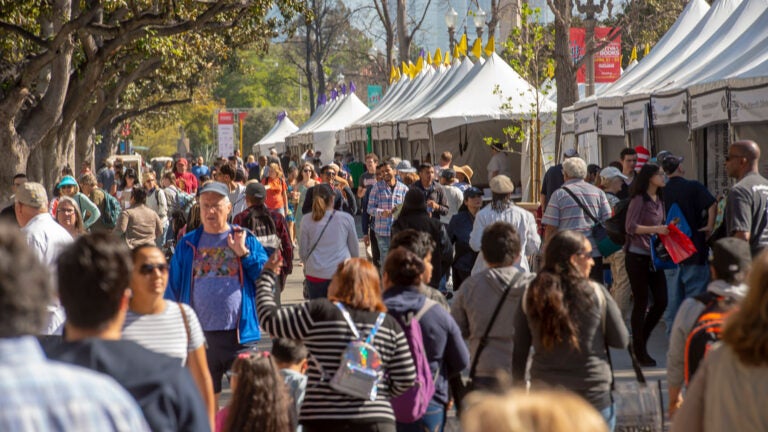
column 37, row 394
column 384, row 198
column 321, row 326
column 165, row 333
column 564, row 213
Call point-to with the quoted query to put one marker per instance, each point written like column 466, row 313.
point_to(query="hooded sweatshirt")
column 685, row 319
column 443, row 344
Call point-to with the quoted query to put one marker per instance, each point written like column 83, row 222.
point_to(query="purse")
column 461, row 388
column 605, row 245
column 305, row 288
column 660, row 257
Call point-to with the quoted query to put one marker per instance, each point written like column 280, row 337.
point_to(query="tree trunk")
column 404, row 43
column 308, row 68
column 565, row 72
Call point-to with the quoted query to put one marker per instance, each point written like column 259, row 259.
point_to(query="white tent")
column 276, row 136
column 321, row 133
column 481, row 105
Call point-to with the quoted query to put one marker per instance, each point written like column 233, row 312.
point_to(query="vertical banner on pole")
column 226, row 134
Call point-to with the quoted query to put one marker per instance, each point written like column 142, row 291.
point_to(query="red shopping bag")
column 679, row 246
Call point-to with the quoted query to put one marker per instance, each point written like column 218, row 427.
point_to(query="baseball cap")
column 730, row 255
column 571, row 152
column 501, row 184
column 448, row 173
column 611, row 172
column 183, row 161
column 32, row 194
column 670, row 163
column 405, row 167
column 472, row 192
column 255, row 190
column 215, row 187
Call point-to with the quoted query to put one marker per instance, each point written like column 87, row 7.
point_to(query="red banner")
column 226, row 118
column 607, row 61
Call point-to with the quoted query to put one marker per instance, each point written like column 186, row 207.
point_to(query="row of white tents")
column 702, row 86
column 442, row 108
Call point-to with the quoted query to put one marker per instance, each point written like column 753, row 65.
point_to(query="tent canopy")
column 276, row 136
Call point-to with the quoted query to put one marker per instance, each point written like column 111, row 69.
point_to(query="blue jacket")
column 443, row 344
column 180, row 279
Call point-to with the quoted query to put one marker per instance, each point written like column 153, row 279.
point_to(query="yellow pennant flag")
column 647, row 49
column 429, row 58
column 490, row 47
column 419, row 64
column 633, row 56
column 456, row 52
column 405, row 68
column 392, row 74
column 398, row 75
column 411, row 69
column 447, row 60
column 438, row 58
column 462, row 45
column 477, row 48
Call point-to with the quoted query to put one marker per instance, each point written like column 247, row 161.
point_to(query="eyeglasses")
column 207, row 207
column 331, row 173
column 148, row 269
column 307, row 170
column 65, row 210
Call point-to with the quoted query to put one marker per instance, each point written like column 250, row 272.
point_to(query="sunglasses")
column 307, row 170
column 148, row 269
column 728, row 158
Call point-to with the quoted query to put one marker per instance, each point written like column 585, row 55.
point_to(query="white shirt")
column 455, row 198
column 338, row 242
column 166, row 332
column 523, row 222
column 499, row 162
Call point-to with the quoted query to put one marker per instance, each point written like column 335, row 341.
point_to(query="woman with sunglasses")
column 322, row 326
column 307, row 178
column 570, row 321
column 164, row 326
column 645, row 218
column 260, row 400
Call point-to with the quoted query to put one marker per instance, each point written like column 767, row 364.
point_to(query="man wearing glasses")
column 345, row 198
column 214, row 270
column 9, row 214
column 747, row 202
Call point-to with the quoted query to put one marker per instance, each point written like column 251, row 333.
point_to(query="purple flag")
column 352, row 87
column 343, row 89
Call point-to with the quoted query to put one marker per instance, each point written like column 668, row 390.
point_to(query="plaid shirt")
column 43, row 395
column 383, row 198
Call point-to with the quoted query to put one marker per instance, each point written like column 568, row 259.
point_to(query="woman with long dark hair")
column 569, row 320
column 327, row 238
column 260, row 400
column 126, row 187
column 645, row 218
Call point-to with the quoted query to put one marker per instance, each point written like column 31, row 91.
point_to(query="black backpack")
column 706, row 331
column 615, row 226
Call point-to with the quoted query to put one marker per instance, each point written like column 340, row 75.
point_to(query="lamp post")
column 451, row 18
column 479, row 20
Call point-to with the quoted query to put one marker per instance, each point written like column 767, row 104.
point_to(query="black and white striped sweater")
column 321, row 326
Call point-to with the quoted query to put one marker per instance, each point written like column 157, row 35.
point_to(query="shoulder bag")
column 460, row 388
column 605, row 245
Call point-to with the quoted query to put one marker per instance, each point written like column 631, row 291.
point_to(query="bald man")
column 747, row 202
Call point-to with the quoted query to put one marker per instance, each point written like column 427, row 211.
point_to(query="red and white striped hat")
column 642, row 157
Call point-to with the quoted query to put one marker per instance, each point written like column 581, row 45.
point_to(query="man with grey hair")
column 214, row 270
column 37, row 393
column 576, row 206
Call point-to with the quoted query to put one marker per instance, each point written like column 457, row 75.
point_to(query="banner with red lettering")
column 607, row 60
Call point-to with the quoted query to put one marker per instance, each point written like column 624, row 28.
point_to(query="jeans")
column 383, row 243
column 317, row 289
column 433, row 420
column 609, row 414
column 645, row 281
column 683, row 282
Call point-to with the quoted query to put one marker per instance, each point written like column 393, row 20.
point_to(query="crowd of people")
column 132, row 297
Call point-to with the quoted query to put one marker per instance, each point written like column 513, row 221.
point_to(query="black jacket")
column 164, row 390
column 420, row 221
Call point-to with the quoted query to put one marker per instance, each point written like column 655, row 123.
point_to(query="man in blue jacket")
column 213, row 270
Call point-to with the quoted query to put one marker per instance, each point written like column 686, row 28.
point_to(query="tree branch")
column 24, row 34
column 417, row 26
column 135, row 113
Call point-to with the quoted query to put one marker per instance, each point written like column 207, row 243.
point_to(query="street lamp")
column 479, row 22
column 451, row 18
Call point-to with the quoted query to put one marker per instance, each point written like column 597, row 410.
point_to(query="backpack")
column 359, row 369
column 183, row 202
column 706, row 330
column 412, row 405
column 111, row 211
column 616, row 226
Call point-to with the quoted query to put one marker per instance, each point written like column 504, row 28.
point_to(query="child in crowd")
column 260, row 401
column 291, row 358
